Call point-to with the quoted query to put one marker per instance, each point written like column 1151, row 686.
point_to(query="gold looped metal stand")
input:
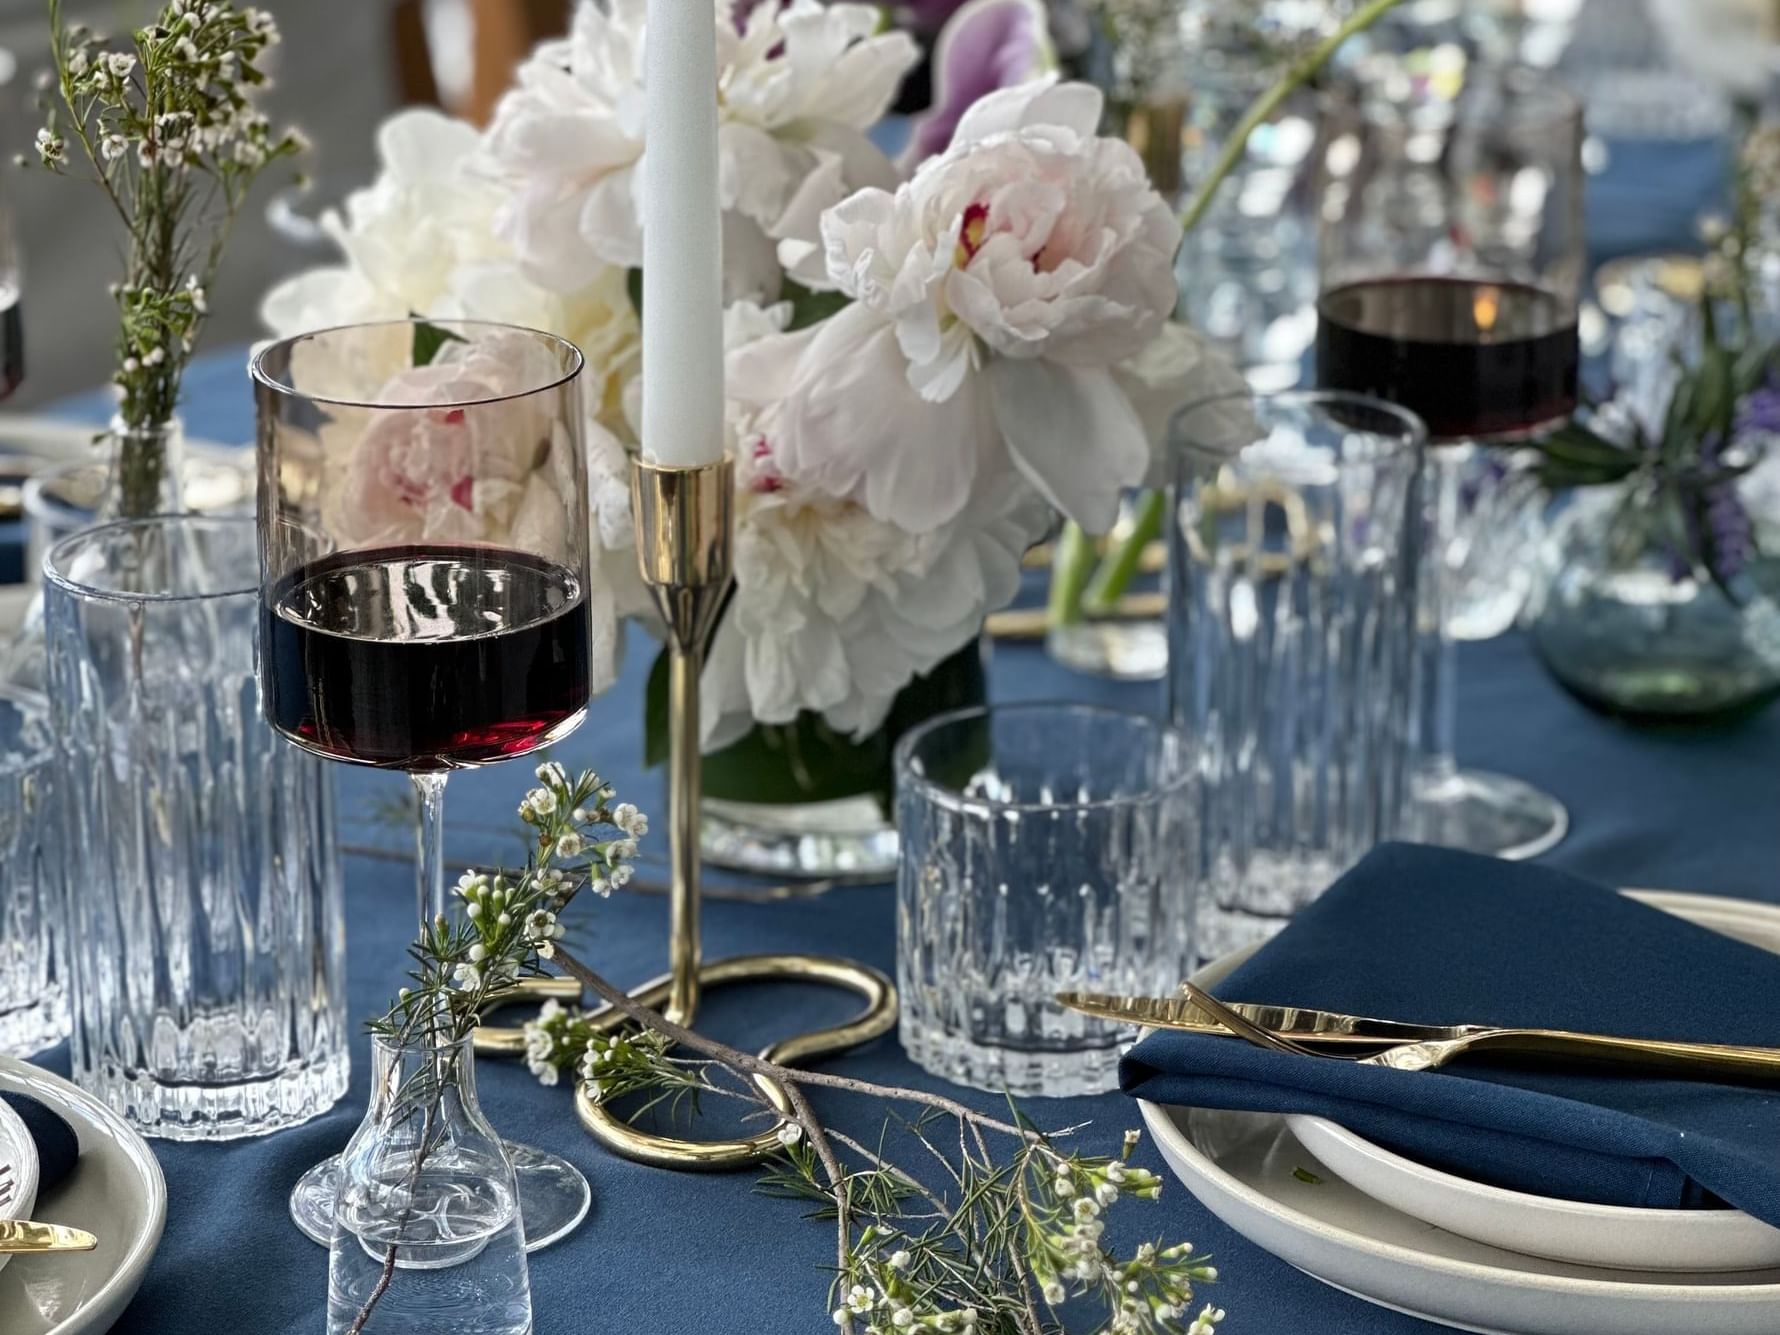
column 685, row 523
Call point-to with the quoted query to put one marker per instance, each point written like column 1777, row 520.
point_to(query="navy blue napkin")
column 1438, row 937
column 57, row 1148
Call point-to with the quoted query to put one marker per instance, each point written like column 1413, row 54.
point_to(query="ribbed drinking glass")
column 1291, row 623
column 33, row 967
column 206, row 927
column 1044, row 847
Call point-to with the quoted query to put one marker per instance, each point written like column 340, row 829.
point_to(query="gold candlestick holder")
column 685, row 526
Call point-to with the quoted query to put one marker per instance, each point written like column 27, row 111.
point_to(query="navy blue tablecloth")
column 697, row 1255
column 705, row 1255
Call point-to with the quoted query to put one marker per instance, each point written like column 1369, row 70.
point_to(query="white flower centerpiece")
column 928, row 362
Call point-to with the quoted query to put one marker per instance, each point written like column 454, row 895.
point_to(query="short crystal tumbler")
column 205, row 917
column 1045, row 847
column 33, row 991
column 1291, row 618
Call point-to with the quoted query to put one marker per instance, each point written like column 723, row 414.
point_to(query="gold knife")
column 21, row 1235
column 1294, row 1022
column 1416, row 1047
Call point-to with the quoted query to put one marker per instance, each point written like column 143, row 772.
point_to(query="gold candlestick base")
column 685, row 523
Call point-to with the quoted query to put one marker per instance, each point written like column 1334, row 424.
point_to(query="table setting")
column 996, row 667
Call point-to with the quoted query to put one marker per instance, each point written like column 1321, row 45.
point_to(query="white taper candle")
column 682, row 237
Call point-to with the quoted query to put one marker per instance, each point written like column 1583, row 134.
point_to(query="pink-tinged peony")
column 1008, row 277
column 448, row 453
column 835, row 609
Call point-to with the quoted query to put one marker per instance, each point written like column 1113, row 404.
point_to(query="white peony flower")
column 798, row 85
column 404, row 237
column 1180, row 366
column 1732, row 44
column 1008, row 278
column 835, row 609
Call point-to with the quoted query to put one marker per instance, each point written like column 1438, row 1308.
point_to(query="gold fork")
column 1427, row 1048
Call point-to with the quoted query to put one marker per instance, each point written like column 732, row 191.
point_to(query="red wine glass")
column 1451, row 258
column 423, row 555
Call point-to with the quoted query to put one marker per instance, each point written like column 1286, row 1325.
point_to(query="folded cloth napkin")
column 57, row 1148
column 1438, row 937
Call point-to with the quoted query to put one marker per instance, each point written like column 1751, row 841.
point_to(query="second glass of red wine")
column 423, row 551
column 1451, row 257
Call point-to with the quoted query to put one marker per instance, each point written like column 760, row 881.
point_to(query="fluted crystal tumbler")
column 1291, row 617
column 33, row 942
column 204, row 914
column 1045, row 847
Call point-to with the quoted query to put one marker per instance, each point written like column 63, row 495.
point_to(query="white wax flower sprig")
column 506, row 923
column 1000, row 1237
column 175, row 141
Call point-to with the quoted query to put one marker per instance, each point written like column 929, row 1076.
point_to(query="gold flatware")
column 1412, row 1047
column 18, row 1236
column 1323, row 1028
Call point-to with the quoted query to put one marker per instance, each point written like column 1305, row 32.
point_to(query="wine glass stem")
column 1439, row 650
column 430, row 845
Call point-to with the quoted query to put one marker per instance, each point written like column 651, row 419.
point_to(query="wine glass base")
column 553, row 1197
column 1487, row 813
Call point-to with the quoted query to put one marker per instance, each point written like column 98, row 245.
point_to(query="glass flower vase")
column 805, row 800
column 427, row 1232
column 1633, row 628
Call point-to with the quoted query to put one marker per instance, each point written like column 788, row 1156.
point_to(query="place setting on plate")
column 1600, row 1159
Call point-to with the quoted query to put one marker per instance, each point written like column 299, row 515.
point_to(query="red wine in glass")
column 12, row 339
column 428, row 657
column 1476, row 360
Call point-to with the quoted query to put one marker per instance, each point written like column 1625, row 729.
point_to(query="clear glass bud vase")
column 142, row 476
column 427, row 1233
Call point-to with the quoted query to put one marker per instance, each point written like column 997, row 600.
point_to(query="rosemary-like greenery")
column 174, row 142
column 997, row 1227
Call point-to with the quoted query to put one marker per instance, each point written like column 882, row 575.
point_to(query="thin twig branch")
column 753, row 1065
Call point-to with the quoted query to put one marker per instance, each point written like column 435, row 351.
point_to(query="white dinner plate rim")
column 1358, row 1144
column 1168, row 1132
column 1163, row 1126
column 81, row 1109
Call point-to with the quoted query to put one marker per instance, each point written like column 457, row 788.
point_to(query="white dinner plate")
column 115, row 1192
column 1252, row 1172
column 18, row 1169
column 1615, row 1237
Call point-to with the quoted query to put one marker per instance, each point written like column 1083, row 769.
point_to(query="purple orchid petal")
column 928, row 16
column 987, row 45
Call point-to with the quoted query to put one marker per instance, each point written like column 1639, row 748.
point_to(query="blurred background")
column 343, row 66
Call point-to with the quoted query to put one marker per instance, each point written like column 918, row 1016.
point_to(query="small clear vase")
column 62, row 502
column 427, row 1232
column 1632, row 629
